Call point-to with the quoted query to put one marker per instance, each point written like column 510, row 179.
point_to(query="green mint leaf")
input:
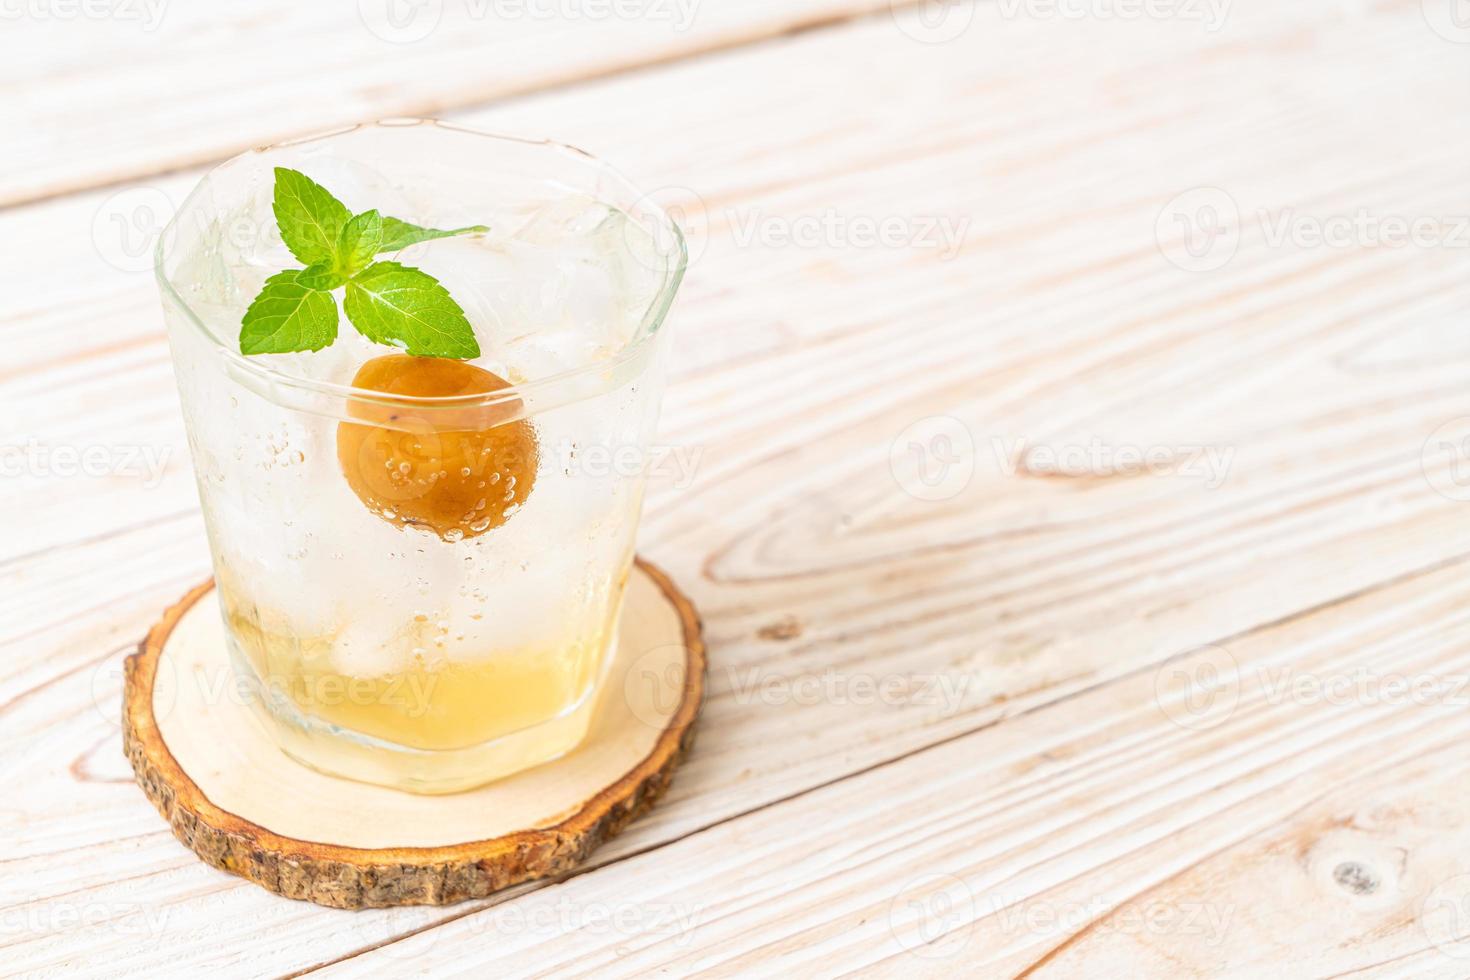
column 323, row 275
column 404, row 307
column 309, row 217
column 288, row 316
column 361, row 239
column 400, row 234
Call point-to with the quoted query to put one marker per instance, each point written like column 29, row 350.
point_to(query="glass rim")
column 523, row 392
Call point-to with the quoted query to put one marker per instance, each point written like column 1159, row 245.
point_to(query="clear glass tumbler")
column 423, row 590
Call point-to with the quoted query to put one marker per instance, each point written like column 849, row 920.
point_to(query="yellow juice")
column 471, row 718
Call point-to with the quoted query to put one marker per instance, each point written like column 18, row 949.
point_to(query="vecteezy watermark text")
column 409, row 21
column 1365, row 686
column 662, row 463
column 147, row 13
column 1200, row 230
column 935, row 459
column 1209, row 464
column 409, row 694
column 35, row 458
column 679, row 14
column 744, row 226
column 934, row 916
column 1206, row 922
column 564, row 916
column 1363, row 228
column 1210, row 13
column 942, row 691
column 1202, row 688
column 940, row 21
column 833, row 229
column 42, row 917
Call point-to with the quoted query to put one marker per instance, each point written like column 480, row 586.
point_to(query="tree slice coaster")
column 204, row 757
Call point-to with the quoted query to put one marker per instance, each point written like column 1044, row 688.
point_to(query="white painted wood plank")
column 1273, row 834
column 105, row 91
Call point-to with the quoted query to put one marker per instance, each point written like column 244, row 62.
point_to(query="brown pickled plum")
column 456, row 471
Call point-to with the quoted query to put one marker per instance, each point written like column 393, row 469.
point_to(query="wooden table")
column 1079, row 508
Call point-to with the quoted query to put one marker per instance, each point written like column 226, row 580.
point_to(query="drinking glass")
column 423, row 591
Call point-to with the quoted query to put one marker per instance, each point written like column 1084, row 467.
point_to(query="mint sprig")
column 387, row 302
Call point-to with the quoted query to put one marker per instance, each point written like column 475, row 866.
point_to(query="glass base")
column 340, row 752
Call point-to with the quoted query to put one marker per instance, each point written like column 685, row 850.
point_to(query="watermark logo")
column 931, row 916
column 1445, row 916
column 654, row 684
column 400, row 21
column 1199, row 689
column 1199, row 231
column 108, row 682
column 934, row 458
column 932, row 21
column 688, row 212
column 1450, row 19
column 126, row 227
column 1445, row 459
column 401, row 462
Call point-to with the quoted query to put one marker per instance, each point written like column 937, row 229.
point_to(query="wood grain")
column 1047, row 780
column 155, row 86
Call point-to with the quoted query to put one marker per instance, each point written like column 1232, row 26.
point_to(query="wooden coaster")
column 205, row 759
